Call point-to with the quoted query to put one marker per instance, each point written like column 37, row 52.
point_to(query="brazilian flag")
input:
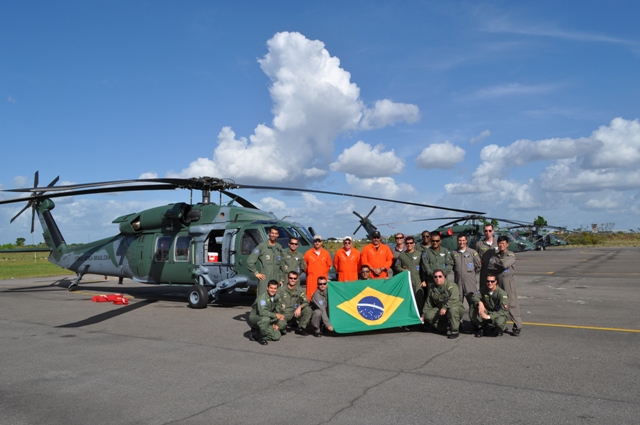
column 367, row 305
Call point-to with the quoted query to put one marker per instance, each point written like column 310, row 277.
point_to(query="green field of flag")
column 367, row 305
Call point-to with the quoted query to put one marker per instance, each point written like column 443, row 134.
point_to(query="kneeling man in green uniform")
column 265, row 315
column 294, row 305
column 490, row 306
column 443, row 306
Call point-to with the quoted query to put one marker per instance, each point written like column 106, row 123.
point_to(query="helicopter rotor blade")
column 33, row 218
column 22, row 210
column 371, row 212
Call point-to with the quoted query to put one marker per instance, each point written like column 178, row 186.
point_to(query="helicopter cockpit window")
column 250, row 239
column 162, row 249
column 182, row 248
column 297, row 234
column 283, row 235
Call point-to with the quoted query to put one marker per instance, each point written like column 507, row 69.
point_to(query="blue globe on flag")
column 370, row 308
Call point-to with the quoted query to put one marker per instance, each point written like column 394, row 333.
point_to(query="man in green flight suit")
column 443, row 306
column 490, row 306
column 502, row 264
column 294, row 305
column 265, row 316
column 292, row 260
column 410, row 259
column 269, row 255
column 435, row 258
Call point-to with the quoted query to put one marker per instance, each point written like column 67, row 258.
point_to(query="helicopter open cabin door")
column 217, row 253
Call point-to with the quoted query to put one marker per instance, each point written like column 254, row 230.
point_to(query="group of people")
column 281, row 305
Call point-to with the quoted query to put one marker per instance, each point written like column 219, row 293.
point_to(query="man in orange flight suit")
column 377, row 256
column 347, row 261
column 318, row 262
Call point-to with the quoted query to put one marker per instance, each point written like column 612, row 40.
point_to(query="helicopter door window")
column 251, row 238
column 182, row 248
column 296, row 234
column 162, row 249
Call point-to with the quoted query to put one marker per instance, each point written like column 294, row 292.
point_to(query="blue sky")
column 517, row 109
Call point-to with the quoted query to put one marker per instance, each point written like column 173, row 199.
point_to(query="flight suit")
column 263, row 316
column 433, row 260
column 466, row 266
column 377, row 258
column 502, row 265
column 292, row 262
column 269, row 258
column 396, row 253
column 320, row 311
column 411, row 262
column 289, row 301
column 447, row 297
column 347, row 266
column 317, row 265
column 496, row 305
column 483, row 248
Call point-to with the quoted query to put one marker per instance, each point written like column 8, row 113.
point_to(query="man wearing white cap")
column 318, row 261
column 346, row 261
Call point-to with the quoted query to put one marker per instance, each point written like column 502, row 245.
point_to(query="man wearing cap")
column 488, row 243
column 320, row 308
column 410, row 260
column 318, row 261
column 292, row 260
column 294, row 305
column 268, row 255
column 397, row 250
column 378, row 256
column 443, row 306
column 346, row 261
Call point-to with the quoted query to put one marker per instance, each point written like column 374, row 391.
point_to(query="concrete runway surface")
column 67, row 360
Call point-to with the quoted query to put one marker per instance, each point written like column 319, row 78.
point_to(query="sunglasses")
column 346, row 242
column 411, row 243
column 435, row 240
column 317, row 240
column 365, row 271
column 376, row 237
column 491, row 281
column 438, row 277
column 487, row 231
column 293, row 278
column 401, row 237
column 322, row 284
column 293, row 243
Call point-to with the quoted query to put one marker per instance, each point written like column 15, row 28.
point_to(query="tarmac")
column 67, row 360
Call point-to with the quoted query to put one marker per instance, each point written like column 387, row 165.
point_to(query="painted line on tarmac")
column 591, row 328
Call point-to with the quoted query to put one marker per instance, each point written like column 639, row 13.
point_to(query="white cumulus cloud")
column 440, row 155
column 363, row 160
column 480, row 137
column 384, row 187
column 314, row 101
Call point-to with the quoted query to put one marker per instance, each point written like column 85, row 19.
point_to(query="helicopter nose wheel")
column 198, row 296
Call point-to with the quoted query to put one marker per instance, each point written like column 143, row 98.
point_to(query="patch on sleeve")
column 256, row 251
column 321, row 302
column 263, row 302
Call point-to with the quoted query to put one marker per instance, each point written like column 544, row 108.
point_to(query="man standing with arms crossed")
column 377, row 256
column 268, row 255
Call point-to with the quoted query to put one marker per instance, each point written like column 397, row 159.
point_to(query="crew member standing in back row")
column 482, row 248
column 318, row 262
column 347, row 261
column 377, row 256
column 268, row 255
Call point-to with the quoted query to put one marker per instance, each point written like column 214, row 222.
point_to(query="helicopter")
column 541, row 237
column 204, row 245
column 471, row 227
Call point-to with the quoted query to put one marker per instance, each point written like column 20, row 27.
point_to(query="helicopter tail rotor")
column 33, row 203
column 364, row 221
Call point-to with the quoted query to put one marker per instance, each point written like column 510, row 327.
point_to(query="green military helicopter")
column 472, row 227
column 205, row 245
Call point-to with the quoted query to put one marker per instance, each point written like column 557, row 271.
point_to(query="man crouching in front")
column 443, row 307
column 264, row 317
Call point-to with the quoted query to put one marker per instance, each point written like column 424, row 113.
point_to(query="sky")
column 515, row 109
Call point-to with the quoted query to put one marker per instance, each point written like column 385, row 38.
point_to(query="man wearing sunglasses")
column 502, row 263
column 434, row 258
column 443, row 307
column 294, row 305
column 490, row 306
column 346, row 261
column 483, row 247
column 425, row 242
column 410, row 260
column 377, row 256
column 318, row 261
column 292, row 260
column 320, row 307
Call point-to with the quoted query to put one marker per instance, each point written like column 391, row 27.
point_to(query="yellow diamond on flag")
column 371, row 307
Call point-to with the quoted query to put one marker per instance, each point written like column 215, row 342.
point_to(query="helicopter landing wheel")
column 198, row 296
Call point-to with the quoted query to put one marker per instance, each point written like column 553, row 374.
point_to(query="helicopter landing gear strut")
column 74, row 284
